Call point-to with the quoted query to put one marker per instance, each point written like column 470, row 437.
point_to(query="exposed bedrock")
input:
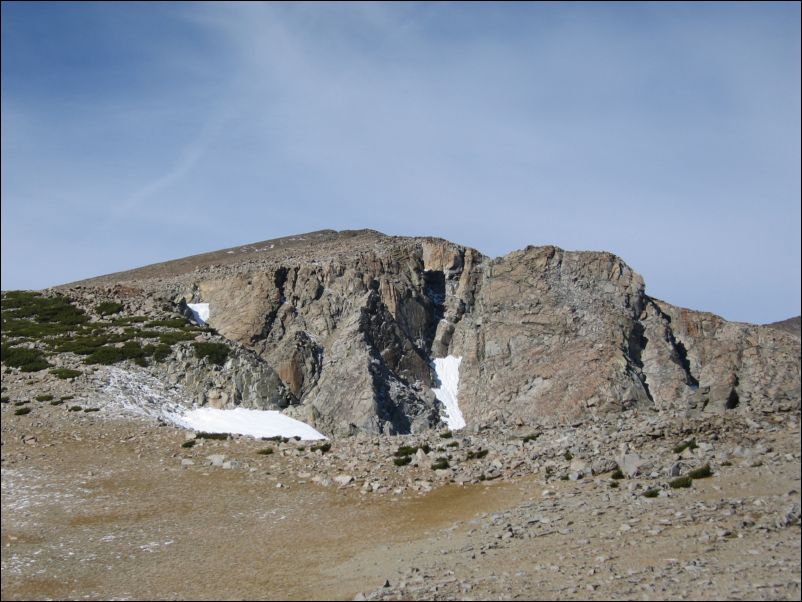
column 347, row 325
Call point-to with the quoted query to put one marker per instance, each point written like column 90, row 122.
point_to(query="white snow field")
column 141, row 394
column 241, row 421
column 200, row 311
column 447, row 371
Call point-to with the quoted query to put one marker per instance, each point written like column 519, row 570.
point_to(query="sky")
column 666, row 133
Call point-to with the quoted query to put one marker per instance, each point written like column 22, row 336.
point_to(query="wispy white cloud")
column 660, row 134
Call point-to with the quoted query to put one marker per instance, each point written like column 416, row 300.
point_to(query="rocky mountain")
column 792, row 325
column 340, row 329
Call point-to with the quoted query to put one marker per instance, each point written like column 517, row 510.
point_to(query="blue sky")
column 666, row 133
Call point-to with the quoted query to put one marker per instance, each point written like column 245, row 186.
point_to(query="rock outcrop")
column 343, row 328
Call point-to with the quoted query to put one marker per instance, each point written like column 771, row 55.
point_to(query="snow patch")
column 241, row 421
column 200, row 312
column 447, row 371
column 139, row 394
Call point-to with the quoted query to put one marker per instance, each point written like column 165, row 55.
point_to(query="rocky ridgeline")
column 340, row 329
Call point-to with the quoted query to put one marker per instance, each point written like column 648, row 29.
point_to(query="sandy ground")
column 98, row 509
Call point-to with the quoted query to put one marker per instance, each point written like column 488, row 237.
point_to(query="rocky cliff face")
column 343, row 328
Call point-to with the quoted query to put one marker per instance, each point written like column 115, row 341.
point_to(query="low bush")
column 453, row 444
column 87, row 345
column 112, row 355
column 476, row 455
column 531, row 437
column 408, row 450
column 651, row 493
column 108, row 308
column 446, row 435
column 188, row 443
column 65, row 373
column 265, row 452
column 57, row 402
column 44, row 398
column 75, row 408
column 681, row 482
column 402, row 461
column 169, row 323
column 171, row 338
column 701, row 473
column 22, row 411
column 161, row 352
column 323, row 447
column 91, row 409
column 27, row 360
column 440, row 464
column 216, row 352
column 217, row 436
column 568, row 455
column 617, row 474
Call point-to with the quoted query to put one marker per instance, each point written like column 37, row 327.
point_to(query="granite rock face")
column 340, row 329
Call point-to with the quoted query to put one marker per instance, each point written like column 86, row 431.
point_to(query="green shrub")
column 5, row 399
column 402, row 461
column 679, row 482
column 440, row 464
column 21, row 403
column 22, row 411
column 614, row 484
column 91, row 409
column 453, row 444
column 48, row 310
column 171, row 338
column 87, row 345
column 476, row 455
column 446, row 435
column 216, row 352
column 44, row 398
column 408, row 450
column 67, row 397
column 27, row 360
column 531, row 437
column 112, row 355
column 701, row 473
column 57, row 402
column 323, row 447
column 218, row 436
column 75, row 408
column 170, row 323
column 265, row 452
column 108, row 308
column 568, row 455
column 162, row 352
column 148, row 334
column 617, row 474
column 405, row 450
column 65, row 373
column 651, row 493
column 188, row 443
column 686, row 445
column 277, row 438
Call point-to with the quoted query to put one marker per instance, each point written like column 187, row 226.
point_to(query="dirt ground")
column 98, row 509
